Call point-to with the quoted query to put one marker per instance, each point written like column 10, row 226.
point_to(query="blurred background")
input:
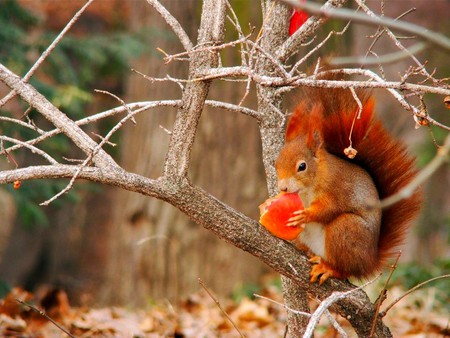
column 105, row 246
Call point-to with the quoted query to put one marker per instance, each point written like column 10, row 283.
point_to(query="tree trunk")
column 155, row 250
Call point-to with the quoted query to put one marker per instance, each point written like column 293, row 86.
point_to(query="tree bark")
column 174, row 250
column 274, row 33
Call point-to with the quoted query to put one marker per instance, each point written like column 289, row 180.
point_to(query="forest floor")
column 423, row 313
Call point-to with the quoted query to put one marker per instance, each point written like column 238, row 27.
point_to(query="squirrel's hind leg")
column 321, row 270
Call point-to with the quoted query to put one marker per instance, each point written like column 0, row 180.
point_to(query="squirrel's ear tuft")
column 314, row 141
column 304, row 120
column 296, row 123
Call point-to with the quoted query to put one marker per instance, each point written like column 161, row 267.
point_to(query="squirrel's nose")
column 282, row 186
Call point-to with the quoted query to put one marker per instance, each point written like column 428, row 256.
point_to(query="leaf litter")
column 418, row 315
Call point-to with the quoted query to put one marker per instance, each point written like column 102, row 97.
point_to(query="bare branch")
column 96, row 149
column 204, row 49
column 394, row 38
column 383, row 293
column 326, row 304
column 42, row 313
column 30, row 147
column 383, row 59
column 435, row 38
column 173, row 23
column 306, row 314
column 291, row 45
column 211, row 32
column 298, row 81
column 216, row 301
column 22, row 123
column 137, row 108
column 382, row 314
column 131, row 117
column 236, row 108
column 316, row 48
column 54, row 115
column 47, row 52
column 408, row 190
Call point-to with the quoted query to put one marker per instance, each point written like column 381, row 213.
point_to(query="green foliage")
column 427, row 150
column 246, row 290
column 5, row 288
column 76, row 66
column 15, row 22
column 31, row 193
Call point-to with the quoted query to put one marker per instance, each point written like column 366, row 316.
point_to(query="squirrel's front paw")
column 300, row 218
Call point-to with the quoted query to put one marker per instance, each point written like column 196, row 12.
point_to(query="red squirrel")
column 344, row 230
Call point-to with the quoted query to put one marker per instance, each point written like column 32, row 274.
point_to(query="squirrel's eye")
column 301, row 166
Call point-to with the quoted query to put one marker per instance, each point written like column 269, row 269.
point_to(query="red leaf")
column 298, row 18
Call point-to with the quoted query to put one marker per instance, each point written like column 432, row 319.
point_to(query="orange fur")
column 331, row 113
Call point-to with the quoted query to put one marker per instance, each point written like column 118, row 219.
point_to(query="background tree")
column 261, row 63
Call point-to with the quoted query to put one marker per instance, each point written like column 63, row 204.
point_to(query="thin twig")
column 42, row 313
column 47, row 52
column 325, row 305
column 7, row 97
column 208, row 48
column 290, row 46
column 297, row 312
column 202, row 284
column 137, row 108
column 394, row 38
column 336, row 325
column 235, row 22
column 8, row 155
column 164, row 79
column 316, row 48
column 90, row 157
column 382, row 314
column 33, row 149
column 435, row 38
column 440, row 158
column 382, row 59
column 22, row 123
column 52, row 46
column 383, row 293
column 120, row 100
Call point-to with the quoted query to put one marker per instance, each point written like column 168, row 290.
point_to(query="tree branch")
column 299, row 81
column 173, row 23
column 435, row 38
column 55, row 116
column 226, row 223
column 274, row 32
column 293, row 43
column 211, row 32
column 376, row 60
column 135, row 107
column 47, row 52
column 424, row 174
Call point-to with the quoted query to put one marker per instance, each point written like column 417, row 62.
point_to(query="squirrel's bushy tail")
column 333, row 112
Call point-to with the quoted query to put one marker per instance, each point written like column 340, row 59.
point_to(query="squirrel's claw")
column 299, row 218
column 321, row 271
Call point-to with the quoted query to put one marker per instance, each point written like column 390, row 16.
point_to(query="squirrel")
column 342, row 162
